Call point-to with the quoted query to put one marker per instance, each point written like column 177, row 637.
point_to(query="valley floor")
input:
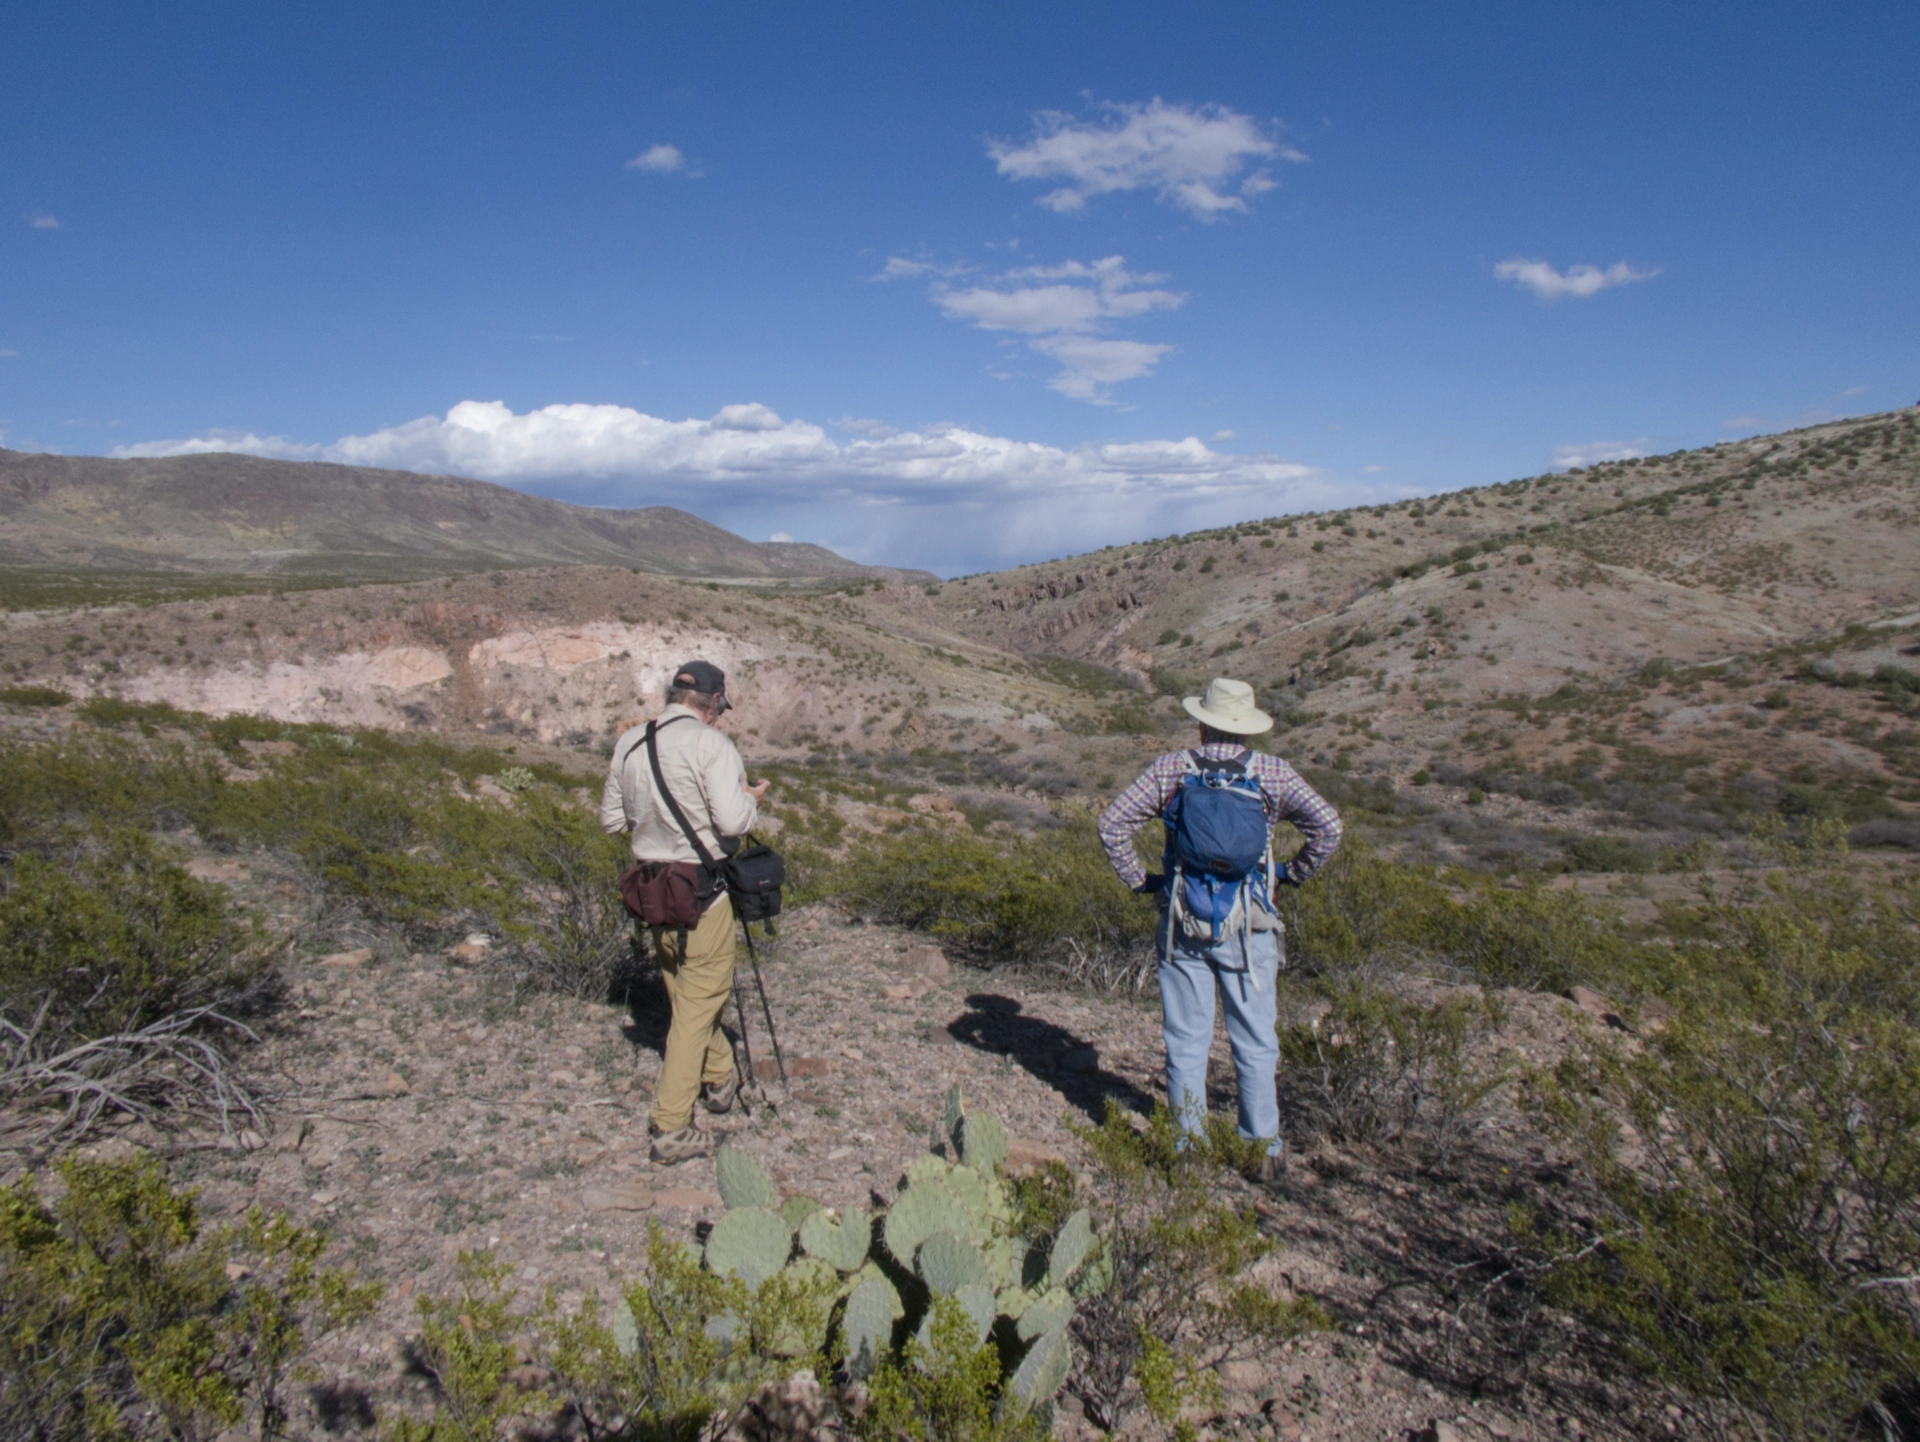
column 420, row 1110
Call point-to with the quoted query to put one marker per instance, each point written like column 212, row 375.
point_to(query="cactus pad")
column 842, row 1244
column 750, row 1243
column 956, row 1109
column 918, row 1214
column 928, row 1168
column 983, row 1143
column 866, row 1327
column 946, row 1264
column 976, row 1300
column 1070, row 1248
column 1043, row 1371
column 971, row 1191
column 795, row 1210
column 743, row 1181
column 1045, row 1314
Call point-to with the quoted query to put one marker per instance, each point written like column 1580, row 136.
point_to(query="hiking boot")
column 684, row 1145
column 720, row 1099
column 1273, row 1165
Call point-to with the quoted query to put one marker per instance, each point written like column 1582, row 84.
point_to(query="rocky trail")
column 420, row 1109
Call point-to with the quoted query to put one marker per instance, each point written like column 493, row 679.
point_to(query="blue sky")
column 954, row 287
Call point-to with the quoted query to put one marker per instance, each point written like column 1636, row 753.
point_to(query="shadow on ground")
column 1056, row 1055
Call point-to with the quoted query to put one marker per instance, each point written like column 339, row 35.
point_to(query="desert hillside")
column 233, row 516
column 1669, row 647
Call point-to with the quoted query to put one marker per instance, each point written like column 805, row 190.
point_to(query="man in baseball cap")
column 706, row 777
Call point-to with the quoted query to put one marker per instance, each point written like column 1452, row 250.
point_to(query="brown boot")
column 720, row 1099
column 1273, row 1165
column 670, row 1148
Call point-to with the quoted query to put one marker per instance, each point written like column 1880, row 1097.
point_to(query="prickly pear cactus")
column 803, row 1328
column 1043, row 1371
column 1047, row 1313
column 956, row 1109
column 982, row 1143
column 841, row 1244
column 866, row 1326
column 919, row 1213
column 795, row 1210
column 976, row 1302
column 946, row 1264
column 750, row 1243
column 743, row 1181
column 1070, row 1248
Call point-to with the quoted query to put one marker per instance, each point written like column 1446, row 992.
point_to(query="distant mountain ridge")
column 308, row 520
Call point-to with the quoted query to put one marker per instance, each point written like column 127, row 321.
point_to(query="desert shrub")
column 1048, row 900
column 1367, row 913
column 1377, row 1069
column 1608, row 853
column 945, row 1389
column 126, row 1319
column 121, row 978
column 1178, row 1296
column 1761, row 1216
column 33, row 696
column 107, row 933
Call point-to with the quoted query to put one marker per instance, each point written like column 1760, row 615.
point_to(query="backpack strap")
column 660, row 781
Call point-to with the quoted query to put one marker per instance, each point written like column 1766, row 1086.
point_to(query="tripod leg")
column 766, row 1009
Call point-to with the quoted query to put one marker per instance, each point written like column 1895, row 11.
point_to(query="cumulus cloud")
column 1092, row 363
column 44, row 222
column 1566, row 458
column 1064, row 307
column 943, row 495
column 659, row 160
column 1549, row 284
column 1226, row 436
column 1190, row 156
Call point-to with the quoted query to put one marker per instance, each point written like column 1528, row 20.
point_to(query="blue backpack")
column 1218, row 837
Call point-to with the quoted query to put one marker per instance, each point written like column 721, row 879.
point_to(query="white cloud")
column 1226, row 436
column 1188, row 155
column 1581, row 280
column 940, row 495
column 239, row 443
column 43, row 222
column 9, row 354
column 1064, row 307
column 898, row 267
column 1565, row 458
column 1092, row 363
column 781, row 536
column 659, row 160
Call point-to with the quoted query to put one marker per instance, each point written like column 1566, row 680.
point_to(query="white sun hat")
column 1229, row 706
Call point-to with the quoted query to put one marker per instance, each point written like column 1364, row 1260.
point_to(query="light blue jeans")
column 1191, row 972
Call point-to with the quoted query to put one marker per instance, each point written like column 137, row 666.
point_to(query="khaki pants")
column 697, row 966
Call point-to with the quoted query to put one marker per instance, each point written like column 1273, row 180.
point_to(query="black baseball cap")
column 703, row 678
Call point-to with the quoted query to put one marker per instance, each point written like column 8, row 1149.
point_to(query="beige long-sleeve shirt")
column 703, row 771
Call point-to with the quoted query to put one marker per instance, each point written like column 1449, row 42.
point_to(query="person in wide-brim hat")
column 1238, row 962
column 1229, row 706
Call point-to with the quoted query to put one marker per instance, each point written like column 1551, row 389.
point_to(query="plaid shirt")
column 1288, row 798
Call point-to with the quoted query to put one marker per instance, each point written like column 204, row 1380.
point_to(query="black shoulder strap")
column 653, row 759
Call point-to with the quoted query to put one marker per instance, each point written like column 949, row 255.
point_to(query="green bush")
column 1048, row 900
column 34, row 696
column 106, row 934
column 1177, row 1295
column 1608, row 853
column 125, row 1319
column 1376, row 1069
column 1761, row 1219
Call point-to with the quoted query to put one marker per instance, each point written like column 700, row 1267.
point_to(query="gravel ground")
column 420, row 1110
